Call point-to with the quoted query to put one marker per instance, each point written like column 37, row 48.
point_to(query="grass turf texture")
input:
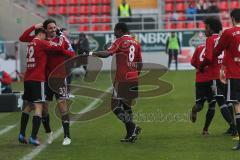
column 173, row 136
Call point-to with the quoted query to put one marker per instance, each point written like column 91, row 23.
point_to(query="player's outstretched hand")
column 223, row 78
column 39, row 25
column 87, row 53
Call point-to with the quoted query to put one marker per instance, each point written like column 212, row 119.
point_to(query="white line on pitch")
column 59, row 131
column 6, row 129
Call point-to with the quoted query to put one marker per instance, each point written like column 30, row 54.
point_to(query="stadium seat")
column 72, row 20
column 83, row 10
column 73, row 10
column 106, row 19
column 169, row 7
column 51, row 2
column 73, row 2
column 223, row 5
column 105, row 9
column 93, row 2
column 84, row 2
column 190, row 25
column 83, row 28
column 52, row 10
column 170, row 26
column 225, row 15
column 105, row 27
column 201, row 25
column 182, row 18
column 62, row 2
column 62, row 10
column 180, row 25
column 106, row 1
column 180, row 7
column 94, row 9
column 41, row 2
column 234, row 4
column 226, row 24
column 95, row 19
column 95, row 28
column 83, row 19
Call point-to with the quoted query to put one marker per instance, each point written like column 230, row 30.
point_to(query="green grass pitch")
column 167, row 132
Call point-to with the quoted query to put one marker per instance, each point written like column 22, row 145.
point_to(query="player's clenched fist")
column 39, row 25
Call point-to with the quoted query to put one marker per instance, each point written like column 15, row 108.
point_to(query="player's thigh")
column 126, row 91
column 49, row 93
column 38, row 108
column 34, row 91
column 203, row 90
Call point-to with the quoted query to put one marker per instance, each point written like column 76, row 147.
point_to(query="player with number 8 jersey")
column 128, row 52
column 125, row 85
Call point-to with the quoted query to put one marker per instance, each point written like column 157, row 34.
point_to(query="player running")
column 128, row 60
column 34, row 80
column 213, row 27
column 204, row 92
column 230, row 42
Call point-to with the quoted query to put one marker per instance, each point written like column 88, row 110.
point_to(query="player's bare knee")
column 65, row 116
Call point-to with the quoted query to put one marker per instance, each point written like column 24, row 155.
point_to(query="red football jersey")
column 37, row 59
column 197, row 59
column 230, row 42
column 56, row 59
column 128, row 54
column 5, row 78
column 214, row 61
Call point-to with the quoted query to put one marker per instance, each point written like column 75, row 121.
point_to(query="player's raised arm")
column 50, row 47
column 108, row 52
column 101, row 54
column 26, row 36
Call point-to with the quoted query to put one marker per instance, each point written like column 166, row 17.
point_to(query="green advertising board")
column 150, row 41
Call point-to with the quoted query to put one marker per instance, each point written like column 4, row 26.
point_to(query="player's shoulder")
column 200, row 47
column 231, row 31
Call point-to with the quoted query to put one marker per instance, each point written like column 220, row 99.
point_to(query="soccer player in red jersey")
column 204, row 92
column 34, row 80
column 213, row 27
column 62, row 94
column 230, row 42
column 128, row 61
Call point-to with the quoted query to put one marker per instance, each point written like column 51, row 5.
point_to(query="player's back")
column 216, row 61
column 36, row 61
column 231, row 41
column 197, row 59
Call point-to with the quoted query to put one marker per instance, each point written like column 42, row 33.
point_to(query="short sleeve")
column 114, row 48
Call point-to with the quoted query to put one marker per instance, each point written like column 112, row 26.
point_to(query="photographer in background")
column 5, row 82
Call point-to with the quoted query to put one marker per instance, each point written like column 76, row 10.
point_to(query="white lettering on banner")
column 147, row 38
column 109, row 38
column 152, row 38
